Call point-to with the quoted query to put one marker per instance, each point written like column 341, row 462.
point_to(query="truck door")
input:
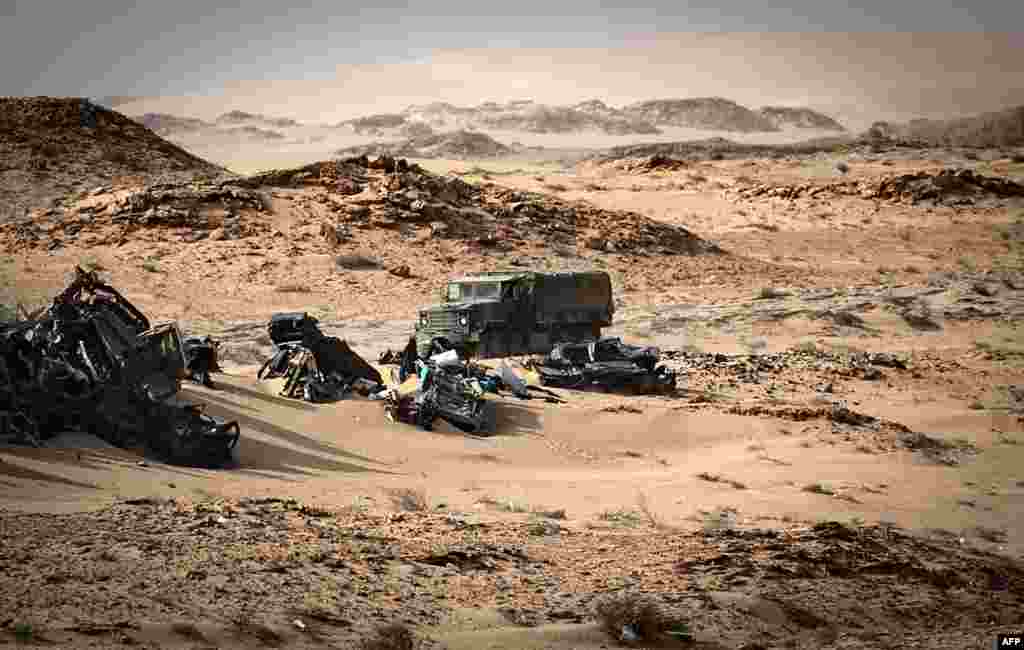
column 523, row 313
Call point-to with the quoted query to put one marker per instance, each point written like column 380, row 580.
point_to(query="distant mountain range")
column 594, row 116
column 1003, row 128
column 249, row 126
column 449, row 129
column 453, row 144
column 641, row 118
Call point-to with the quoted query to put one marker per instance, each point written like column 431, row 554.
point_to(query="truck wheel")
column 572, row 334
column 492, row 345
column 489, row 426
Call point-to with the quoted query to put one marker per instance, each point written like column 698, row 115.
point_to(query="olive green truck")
column 509, row 313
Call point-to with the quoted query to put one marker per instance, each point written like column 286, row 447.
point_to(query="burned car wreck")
column 606, row 363
column 448, row 388
column 200, row 358
column 315, row 367
column 451, row 388
column 92, row 362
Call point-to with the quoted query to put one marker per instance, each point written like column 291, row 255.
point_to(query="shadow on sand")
column 218, row 400
column 103, row 459
column 249, row 393
column 517, row 418
column 260, row 448
column 257, row 454
column 20, row 472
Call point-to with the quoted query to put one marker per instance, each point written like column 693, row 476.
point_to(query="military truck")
column 507, row 313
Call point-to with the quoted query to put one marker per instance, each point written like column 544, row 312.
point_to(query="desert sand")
column 328, row 525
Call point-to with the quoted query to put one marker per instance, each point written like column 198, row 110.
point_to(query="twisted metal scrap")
column 92, row 362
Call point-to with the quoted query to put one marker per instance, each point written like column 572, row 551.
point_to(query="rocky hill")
column 454, row 144
column 51, row 146
column 641, row 118
column 255, row 133
column 525, row 116
column 241, row 117
column 712, row 113
column 1003, row 128
column 800, row 118
column 356, row 196
column 236, row 124
column 723, row 148
column 166, row 125
column 593, row 116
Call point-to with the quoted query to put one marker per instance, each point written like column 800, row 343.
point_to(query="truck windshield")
column 474, row 291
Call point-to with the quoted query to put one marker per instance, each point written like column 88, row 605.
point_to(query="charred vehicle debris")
column 450, row 388
column 316, row 367
column 92, row 362
column 606, row 363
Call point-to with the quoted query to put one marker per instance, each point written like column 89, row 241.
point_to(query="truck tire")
column 499, row 343
column 492, row 345
column 489, row 426
column 570, row 334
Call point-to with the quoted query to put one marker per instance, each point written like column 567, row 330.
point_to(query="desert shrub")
column 820, row 488
column 51, row 150
column 623, row 517
column 409, row 500
column 293, row 288
column 720, row 519
column 356, row 261
column 639, row 616
column 24, row 632
column 393, row 636
column 768, row 293
column 807, row 347
column 116, row 156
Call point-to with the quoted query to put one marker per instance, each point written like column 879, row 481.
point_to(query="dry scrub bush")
column 356, row 261
column 394, row 636
column 641, row 614
column 409, row 500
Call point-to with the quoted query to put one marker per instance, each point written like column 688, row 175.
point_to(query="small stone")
column 873, row 374
column 406, row 571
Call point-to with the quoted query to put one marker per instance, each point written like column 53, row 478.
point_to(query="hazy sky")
column 346, row 58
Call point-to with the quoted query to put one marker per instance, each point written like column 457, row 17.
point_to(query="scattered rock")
column 401, row 271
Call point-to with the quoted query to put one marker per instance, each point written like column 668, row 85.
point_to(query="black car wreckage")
column 448, row 389
column 92, row 362
column 451, row 388
column 316, row 367
column 606, row 364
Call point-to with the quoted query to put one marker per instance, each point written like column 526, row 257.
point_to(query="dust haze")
column 819, row 237
column 858, row 78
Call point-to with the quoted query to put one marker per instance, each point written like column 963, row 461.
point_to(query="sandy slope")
column 596, row 464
